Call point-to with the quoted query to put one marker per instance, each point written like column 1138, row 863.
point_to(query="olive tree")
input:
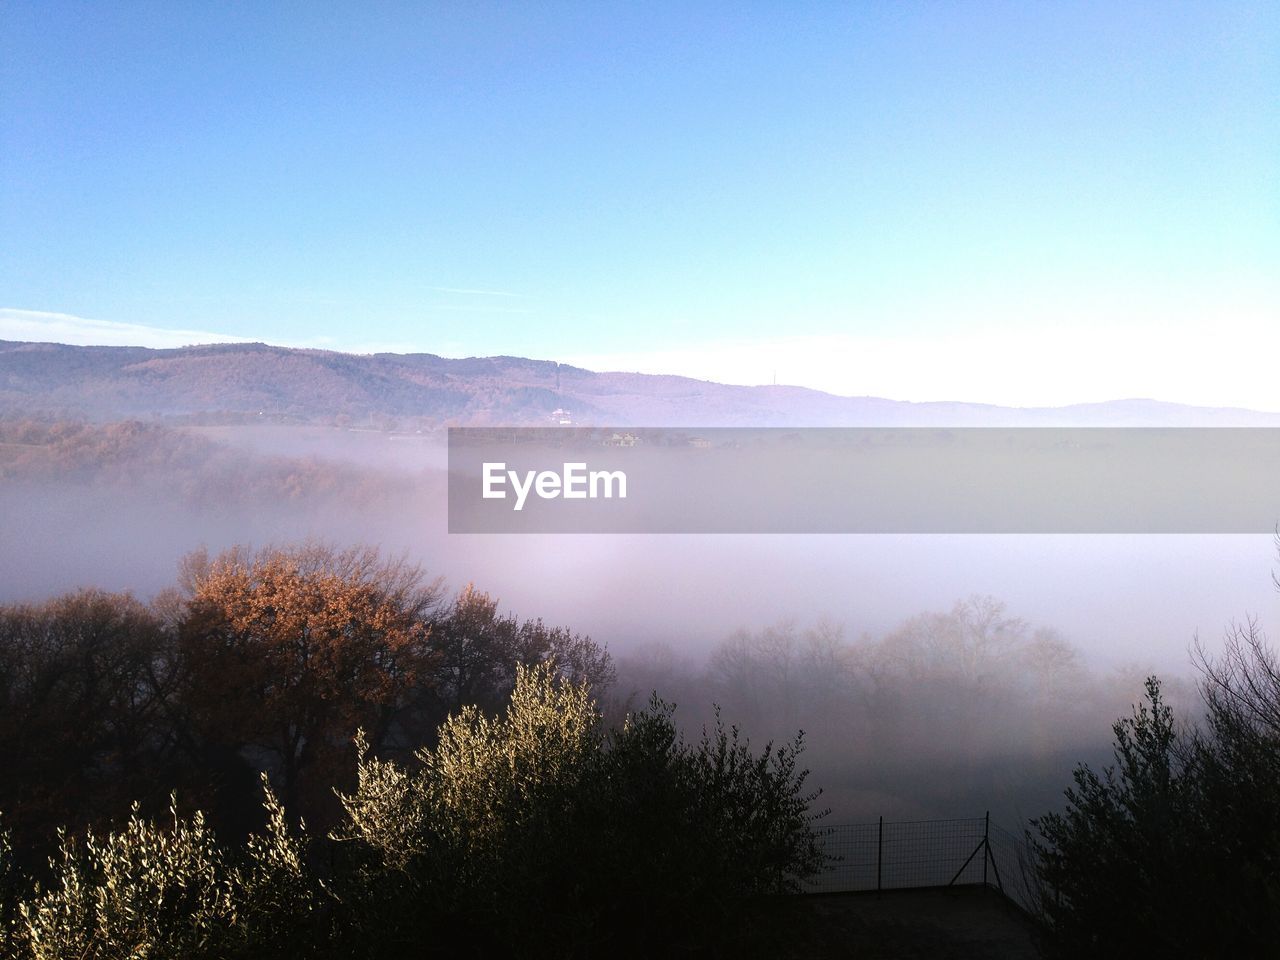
column 539, row 819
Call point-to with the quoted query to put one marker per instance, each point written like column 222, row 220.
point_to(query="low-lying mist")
column 950, row 713
column 933, row 675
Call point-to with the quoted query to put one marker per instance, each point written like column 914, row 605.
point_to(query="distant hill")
column 239, row 382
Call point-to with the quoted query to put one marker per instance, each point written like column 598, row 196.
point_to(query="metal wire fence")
column 901, row 854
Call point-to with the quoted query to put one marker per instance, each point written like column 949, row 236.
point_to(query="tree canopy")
column 1175, row 848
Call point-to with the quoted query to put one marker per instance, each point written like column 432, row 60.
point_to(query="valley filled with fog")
column 933, row 675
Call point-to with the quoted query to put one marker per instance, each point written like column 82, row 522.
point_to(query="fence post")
column 986, row 845
column 879, row 854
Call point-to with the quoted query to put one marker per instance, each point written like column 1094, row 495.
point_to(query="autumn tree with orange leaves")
column 286, row 652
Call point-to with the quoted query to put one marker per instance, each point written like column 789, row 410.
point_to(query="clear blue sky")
column 710, row 187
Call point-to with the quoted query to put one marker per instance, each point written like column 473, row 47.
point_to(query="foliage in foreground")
column 1175, row 850
column 540, row 819
column 536, row 832
column 166, row 890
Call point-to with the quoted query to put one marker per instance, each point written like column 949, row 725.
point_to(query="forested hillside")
column 236, row 383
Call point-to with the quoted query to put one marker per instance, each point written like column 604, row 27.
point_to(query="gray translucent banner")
column 864, row 480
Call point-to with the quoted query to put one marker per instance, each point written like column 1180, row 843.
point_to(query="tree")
column 534, row 831
column 171, row 890
column 478, row 651
column 1112, row 856
column 1175, row 850
column 287, row 651
column 82, row 678
column 467, row 838
column 971, row 644
column 1238, row 784
column 538, row 829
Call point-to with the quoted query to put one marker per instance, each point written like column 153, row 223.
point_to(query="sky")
column 1019, row 203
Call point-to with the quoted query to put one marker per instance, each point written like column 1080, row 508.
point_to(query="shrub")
column 1176, row 848
column 159, row 891
column 145, row 891
column 534, row 832
column 539, row 821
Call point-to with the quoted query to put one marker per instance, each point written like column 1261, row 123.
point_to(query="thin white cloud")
column 43, row 327
column 473, row 292
column 473, row 308
column 40, row 326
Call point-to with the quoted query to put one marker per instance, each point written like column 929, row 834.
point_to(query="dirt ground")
column 962, row 923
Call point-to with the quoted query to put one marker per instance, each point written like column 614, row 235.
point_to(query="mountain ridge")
column 238, row 381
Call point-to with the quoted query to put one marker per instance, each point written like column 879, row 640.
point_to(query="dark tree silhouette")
column 1175, row 850
column 82, row 677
